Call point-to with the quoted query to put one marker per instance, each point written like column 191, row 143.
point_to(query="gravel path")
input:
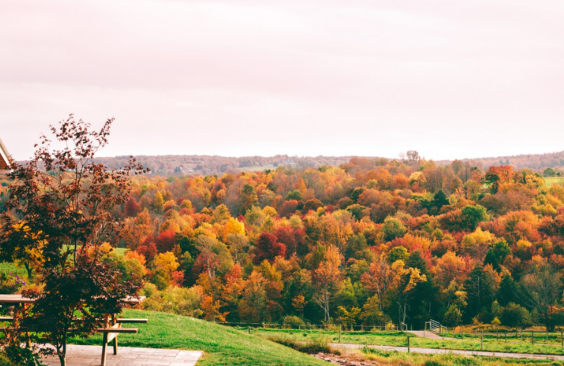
column 427, row 334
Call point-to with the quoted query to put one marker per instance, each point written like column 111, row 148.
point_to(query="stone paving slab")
column 91, row 356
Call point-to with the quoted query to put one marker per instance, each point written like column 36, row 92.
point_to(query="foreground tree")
column 61, row 209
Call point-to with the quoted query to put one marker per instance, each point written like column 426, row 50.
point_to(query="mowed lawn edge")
column 221, row 345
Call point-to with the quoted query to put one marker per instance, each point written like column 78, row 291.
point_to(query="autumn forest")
column 371, row 241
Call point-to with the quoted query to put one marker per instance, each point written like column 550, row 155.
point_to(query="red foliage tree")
column 132, row 207
column 288, row 208
column 148, row 249
column 166, row 241
column 269, row 248
column 61, row 209
column 294, row 239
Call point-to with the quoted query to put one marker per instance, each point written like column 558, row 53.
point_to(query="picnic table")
column 112, row 324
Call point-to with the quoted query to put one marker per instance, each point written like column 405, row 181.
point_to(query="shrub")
column 311, row 347
column 175, row 300
column 10, row 284
column 514, row 315
column 5, row 362
column 293, row 321
column 453, row 316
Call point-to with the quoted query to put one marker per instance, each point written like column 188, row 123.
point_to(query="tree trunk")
column 62, row 353
column 29, row 270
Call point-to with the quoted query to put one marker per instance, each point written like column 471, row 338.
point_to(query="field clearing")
column 259, row 168
column 550, row 181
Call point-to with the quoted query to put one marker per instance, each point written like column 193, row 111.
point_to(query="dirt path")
column 456, row 352
column 427, row 334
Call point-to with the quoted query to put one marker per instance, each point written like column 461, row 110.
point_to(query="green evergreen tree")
column 424, row 304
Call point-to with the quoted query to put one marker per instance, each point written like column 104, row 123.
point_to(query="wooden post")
column 408, row 344
column 561, row 339
column 532, row 337
column 482, row 341
column 339, row 333
column 506, row 336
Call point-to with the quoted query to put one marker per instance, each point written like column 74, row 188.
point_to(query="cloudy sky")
column 451, row 79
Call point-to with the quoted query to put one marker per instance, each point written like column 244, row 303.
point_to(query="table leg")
column 104, row 346
column 114, row 318
column 28, row 340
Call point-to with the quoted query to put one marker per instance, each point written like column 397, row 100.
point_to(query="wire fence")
column 319, row 327
column 509, row 335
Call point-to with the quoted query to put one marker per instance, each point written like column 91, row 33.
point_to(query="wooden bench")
column 109, row 334
column 112, row 324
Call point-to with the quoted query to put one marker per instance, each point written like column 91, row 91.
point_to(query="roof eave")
column 4, row 154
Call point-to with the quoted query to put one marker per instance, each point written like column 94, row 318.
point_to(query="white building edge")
column 4, row 158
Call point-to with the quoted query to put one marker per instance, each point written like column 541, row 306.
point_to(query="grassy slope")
column 222, row 345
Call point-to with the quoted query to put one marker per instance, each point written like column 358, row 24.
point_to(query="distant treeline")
column 536, row 162
column 167, row 165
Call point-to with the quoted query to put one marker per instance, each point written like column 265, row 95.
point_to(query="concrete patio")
column 91, row 356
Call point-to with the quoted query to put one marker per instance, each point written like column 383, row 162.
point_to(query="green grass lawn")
column 222, row 345
column 399, row 339
column 13, row 268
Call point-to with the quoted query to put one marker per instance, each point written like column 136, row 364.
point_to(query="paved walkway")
column 91, row 356
column 456, row 352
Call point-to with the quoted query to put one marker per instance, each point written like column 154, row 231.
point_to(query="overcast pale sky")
column 451, row 79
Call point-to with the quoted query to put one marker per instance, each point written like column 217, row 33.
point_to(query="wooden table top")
column 19, row 299
column 15, row 299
